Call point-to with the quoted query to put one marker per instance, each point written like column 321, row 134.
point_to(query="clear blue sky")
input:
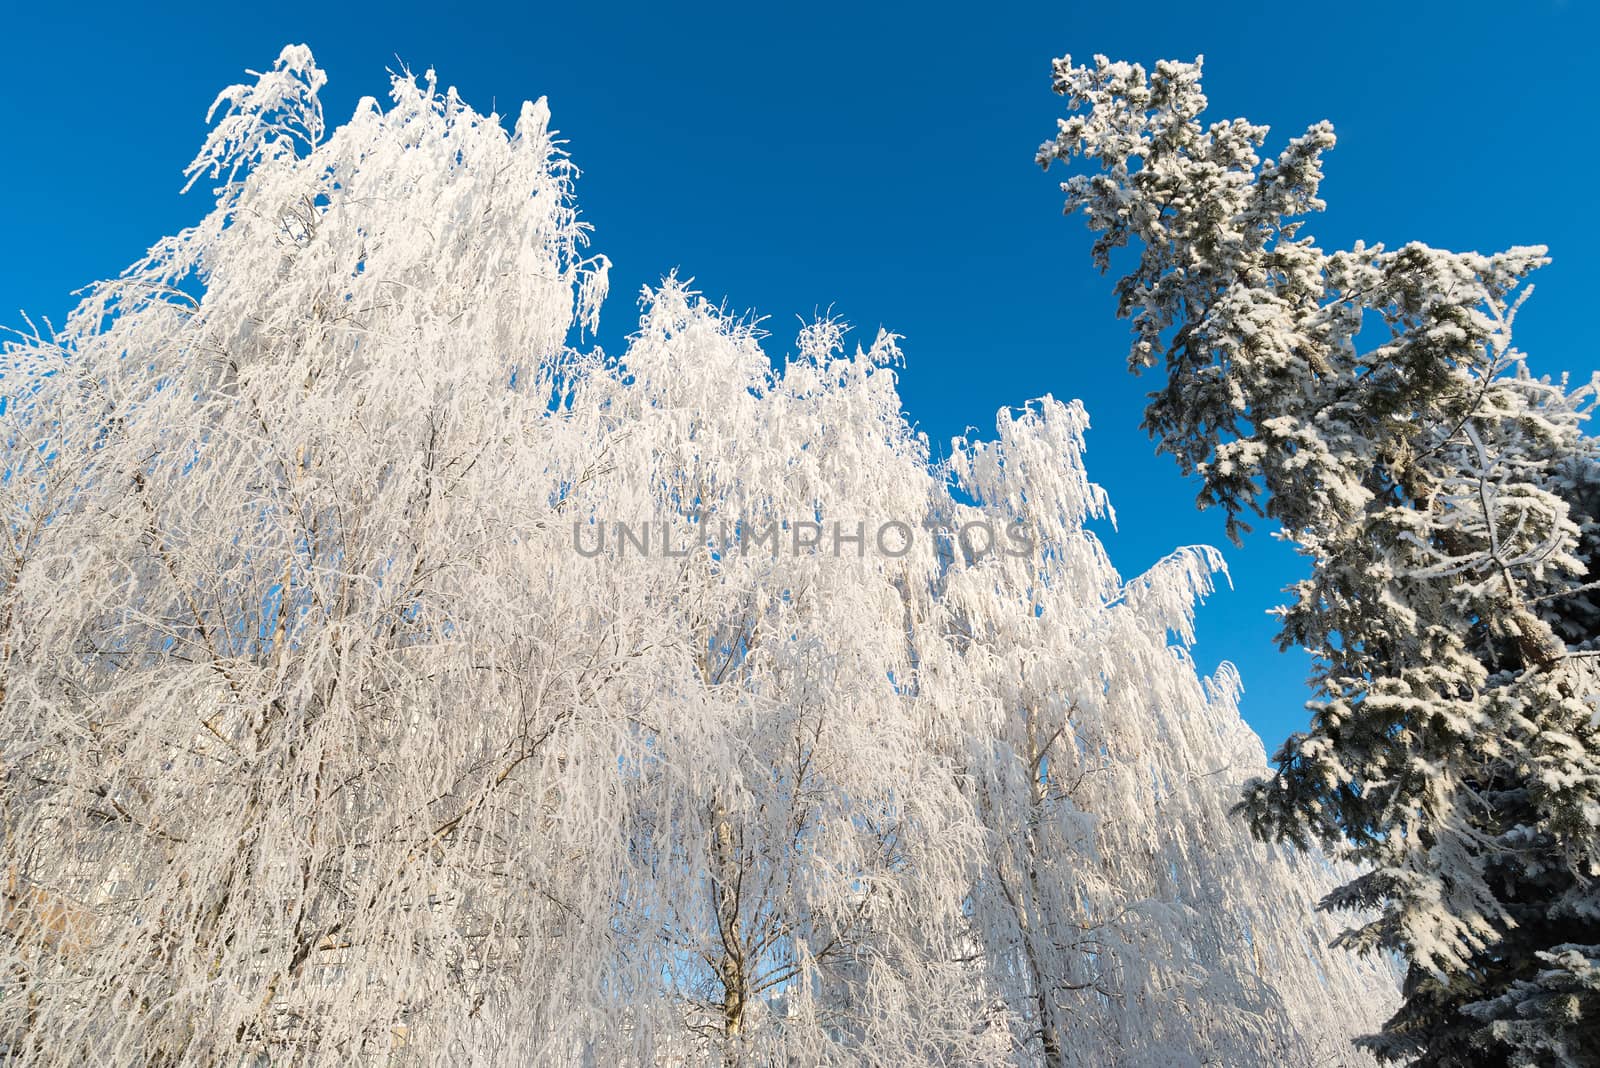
column 876, row 159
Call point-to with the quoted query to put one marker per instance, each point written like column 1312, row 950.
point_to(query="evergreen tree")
column 1372, row 403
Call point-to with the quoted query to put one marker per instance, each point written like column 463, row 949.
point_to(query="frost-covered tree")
column 1132, row 923
column 1371, row 402
column 387, row 680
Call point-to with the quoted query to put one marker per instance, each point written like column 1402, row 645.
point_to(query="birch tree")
column 389, row 679
column 1135, row 921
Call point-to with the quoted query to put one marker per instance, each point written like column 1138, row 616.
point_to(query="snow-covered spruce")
column 322, row 744
column 1448, row 504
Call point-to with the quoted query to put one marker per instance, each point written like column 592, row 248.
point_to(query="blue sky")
column 875, row 159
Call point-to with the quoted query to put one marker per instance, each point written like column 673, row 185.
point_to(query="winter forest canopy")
column 390, row 676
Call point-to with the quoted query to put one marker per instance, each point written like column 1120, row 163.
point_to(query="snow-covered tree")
column 387, row 680
column 1371, row 402
column 1133, row 923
